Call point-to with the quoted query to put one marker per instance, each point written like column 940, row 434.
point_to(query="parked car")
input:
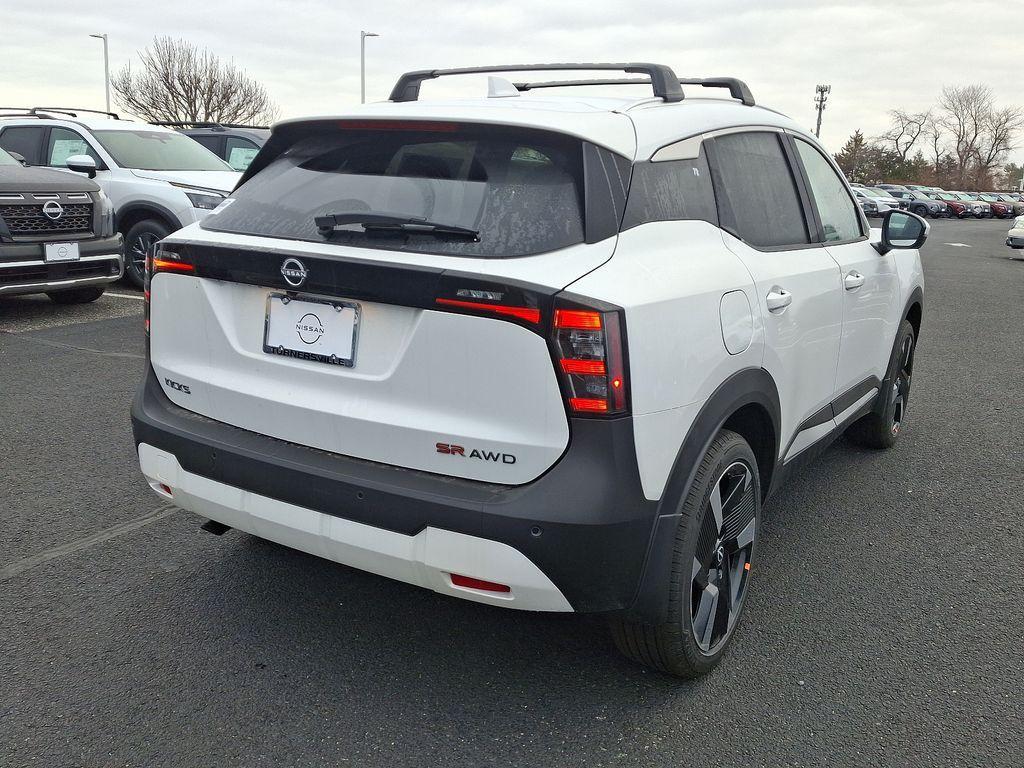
column 921, row 204
column 954, row 205
column 1015, row 237
column 583, row 414
column 892, row 187
column 1016, row 201
column 157, row 179
column 237, row 145
column 1000, row 208
column 56, row 234
column 977, row 207
column 879, row 201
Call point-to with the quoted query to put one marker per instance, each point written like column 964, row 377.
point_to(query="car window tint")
column 758, row 186
column 25, row 140
column 239, row 152
column 521, row 189
column 839, row 219
column 65, row 143
column 671, row 190
column 212, row 143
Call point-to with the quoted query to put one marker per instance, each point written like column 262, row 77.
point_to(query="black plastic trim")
column 751, row 386
column 148, row 207
column 585, row 522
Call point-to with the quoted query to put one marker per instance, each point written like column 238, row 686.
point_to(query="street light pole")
column 362, row 63
column 106, row 66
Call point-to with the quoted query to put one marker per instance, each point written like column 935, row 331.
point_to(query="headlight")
column 204, row 200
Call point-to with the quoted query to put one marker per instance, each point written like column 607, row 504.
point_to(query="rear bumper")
column 23, row 268
column 574, row 539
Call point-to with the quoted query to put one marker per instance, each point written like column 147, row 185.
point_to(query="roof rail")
column 662, row 78
column 205, row 124
column 737, row 88
column 73, row 111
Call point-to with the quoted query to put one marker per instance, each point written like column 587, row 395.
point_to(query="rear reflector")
column 588, row 404
column 485, row 586
column 529, row 314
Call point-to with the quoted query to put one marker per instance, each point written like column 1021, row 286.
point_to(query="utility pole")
column 362, row 63
column 821, row 93
column 106, row 66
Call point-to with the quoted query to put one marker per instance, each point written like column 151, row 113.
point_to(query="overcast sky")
column 877, row 55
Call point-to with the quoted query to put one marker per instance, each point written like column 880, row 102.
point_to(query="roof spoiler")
column 661, row 77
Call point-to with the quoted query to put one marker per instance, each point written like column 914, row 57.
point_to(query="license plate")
column 56, row 252
column 321, row 330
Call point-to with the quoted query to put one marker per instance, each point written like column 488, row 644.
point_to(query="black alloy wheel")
column 721, row 559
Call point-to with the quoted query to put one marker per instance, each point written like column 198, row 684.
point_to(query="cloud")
column 876, row 54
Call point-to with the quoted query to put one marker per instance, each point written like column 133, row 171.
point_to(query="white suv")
column 157, row 179
column 541, row 352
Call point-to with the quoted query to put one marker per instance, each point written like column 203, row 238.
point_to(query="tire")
column 881, row 428
column 920, row 210
column 138, row 241
column 77, row 295
column 706, row 557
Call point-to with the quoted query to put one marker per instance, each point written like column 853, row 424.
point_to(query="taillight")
column 162, row 259
column 588, row 346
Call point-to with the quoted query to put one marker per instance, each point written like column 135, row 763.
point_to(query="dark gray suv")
column 237, row 145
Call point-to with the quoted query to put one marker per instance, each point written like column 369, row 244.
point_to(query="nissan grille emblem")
column 53, row 210
column 294, row 272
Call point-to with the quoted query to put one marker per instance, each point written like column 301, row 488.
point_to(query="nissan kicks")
column 548, row 353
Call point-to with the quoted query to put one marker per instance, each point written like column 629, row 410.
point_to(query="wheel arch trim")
column 149, row 207
column 747, row 387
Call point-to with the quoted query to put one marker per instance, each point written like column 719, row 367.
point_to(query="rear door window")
column 26, row 140
column 760, row 190
column 521, row 189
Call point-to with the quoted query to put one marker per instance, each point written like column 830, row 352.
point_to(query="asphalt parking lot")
column 884, row 627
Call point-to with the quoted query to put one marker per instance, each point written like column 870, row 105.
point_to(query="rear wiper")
column 392, row 222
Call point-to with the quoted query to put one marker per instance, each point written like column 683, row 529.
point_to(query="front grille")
column 26, row 219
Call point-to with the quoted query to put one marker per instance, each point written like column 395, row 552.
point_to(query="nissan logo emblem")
column 53, row 210
column 294, row 272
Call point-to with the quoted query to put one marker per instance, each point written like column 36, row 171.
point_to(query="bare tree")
column 935, row 136
column 181, row 82
column 999, row 130
column 964, row 111
column 904, row 130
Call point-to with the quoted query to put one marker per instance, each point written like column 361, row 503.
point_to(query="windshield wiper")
column 392, row 222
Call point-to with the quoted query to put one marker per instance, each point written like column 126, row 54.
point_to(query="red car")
column 1000, row 209
column 956, row 206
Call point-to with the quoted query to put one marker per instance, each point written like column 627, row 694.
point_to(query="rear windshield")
column 521, row 190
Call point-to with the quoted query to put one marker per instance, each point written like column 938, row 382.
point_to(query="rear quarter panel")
column 670, row 277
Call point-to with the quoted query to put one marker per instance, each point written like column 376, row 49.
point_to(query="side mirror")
column 18, row 156
column 82, row 164
column 902, row 229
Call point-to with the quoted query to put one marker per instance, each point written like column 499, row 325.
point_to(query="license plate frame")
column 59, row 253
column 319, row 328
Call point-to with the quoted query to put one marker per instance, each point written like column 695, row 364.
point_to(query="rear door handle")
column 853, row 281
column 778, row 299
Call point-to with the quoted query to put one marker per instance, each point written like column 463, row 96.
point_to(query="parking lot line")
column 125, row 296
column 60, row 345
column 20, row 566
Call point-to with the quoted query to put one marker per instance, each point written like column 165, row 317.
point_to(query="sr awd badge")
column 294, row 272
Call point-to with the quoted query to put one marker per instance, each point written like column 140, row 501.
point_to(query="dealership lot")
column 883, row 628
